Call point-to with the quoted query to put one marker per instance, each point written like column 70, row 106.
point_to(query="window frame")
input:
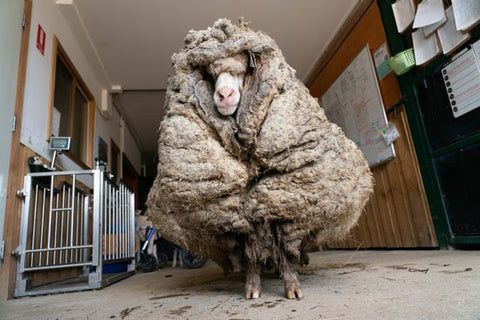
column 77, row 83
column 115, row 158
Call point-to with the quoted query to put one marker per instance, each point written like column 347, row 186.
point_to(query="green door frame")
column 398, row 43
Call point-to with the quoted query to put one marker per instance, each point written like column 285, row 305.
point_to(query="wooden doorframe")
column 16, row 171
column 115, row 157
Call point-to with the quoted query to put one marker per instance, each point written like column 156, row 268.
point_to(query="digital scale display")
column 60, row 143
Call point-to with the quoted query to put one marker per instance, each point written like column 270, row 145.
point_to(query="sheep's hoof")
column 253, row 287
column 293, row 290
column 252, row 294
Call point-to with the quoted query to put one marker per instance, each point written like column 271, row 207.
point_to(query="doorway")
column 11, row 17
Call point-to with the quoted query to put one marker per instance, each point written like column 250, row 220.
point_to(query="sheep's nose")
column 225, row 92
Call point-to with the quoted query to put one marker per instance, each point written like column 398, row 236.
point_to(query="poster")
column 382, row 58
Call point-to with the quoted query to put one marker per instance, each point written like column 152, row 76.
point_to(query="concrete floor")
column 336, row 285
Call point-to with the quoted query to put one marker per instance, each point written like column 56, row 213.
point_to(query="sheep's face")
column 229, row 74
column 228, row 89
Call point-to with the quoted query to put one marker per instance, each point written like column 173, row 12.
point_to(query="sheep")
column 250, row 170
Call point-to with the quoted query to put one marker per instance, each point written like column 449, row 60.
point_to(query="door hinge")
column 2, row 249
column 24, row 20
column 14, row 123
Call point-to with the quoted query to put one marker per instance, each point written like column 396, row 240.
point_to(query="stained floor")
column 337, row 285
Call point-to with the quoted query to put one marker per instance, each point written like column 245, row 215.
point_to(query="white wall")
column 108, row 129
column 52, row 19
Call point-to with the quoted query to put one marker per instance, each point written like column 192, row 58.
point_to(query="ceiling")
column 133, row 41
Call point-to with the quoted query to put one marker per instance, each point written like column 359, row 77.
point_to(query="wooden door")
column 18, row 159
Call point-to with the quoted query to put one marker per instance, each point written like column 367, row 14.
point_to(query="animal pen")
column 76, row 232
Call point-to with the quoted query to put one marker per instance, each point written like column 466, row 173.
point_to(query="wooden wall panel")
column 398, row 215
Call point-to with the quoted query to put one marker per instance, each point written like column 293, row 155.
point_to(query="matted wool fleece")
column 271, row 177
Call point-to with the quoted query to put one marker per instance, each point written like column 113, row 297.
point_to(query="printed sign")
column 462, row 81
column 41, row 35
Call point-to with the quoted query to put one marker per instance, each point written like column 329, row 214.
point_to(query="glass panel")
column 114, row 165
column 459, row 175
column 442, row 127
column 80, row 126
column 63, row 96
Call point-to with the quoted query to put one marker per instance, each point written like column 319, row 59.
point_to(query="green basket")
column 403, row 61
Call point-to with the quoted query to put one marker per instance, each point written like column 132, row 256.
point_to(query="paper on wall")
column 429, row 12
column 404, row 12
column 462, row 81
column 381, row 57
column 431, row 28
column 391, row 133
column 425, row 48
column 467, row 13
column 476, row 50
column 450, row 38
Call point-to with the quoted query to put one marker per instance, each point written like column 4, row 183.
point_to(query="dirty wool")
column 252, row 189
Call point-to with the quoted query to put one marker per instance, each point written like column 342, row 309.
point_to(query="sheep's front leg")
column 292, row 286
column 253, row 282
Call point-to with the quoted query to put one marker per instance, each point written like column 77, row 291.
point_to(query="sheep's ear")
column 204, row 95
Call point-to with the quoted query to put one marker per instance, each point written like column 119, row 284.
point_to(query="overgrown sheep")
column 250, row 170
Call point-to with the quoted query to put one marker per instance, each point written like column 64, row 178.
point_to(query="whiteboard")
column 355, row 104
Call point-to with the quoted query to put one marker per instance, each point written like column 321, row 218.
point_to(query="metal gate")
column 75, row 220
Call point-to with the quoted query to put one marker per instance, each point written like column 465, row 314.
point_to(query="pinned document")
column 467, row 13
column 404, row 13
column 462, row 81
column 450, row 37
column 431, row 28
column 429, row 12
column 425, row 48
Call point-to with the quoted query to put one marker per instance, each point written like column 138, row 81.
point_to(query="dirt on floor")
column 336, row 285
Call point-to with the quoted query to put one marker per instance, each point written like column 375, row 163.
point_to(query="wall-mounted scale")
column 58, row 145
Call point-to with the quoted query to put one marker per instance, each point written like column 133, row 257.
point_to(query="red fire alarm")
column 41, row 40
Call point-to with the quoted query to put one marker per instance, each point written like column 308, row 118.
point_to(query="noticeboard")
column 354, row 103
